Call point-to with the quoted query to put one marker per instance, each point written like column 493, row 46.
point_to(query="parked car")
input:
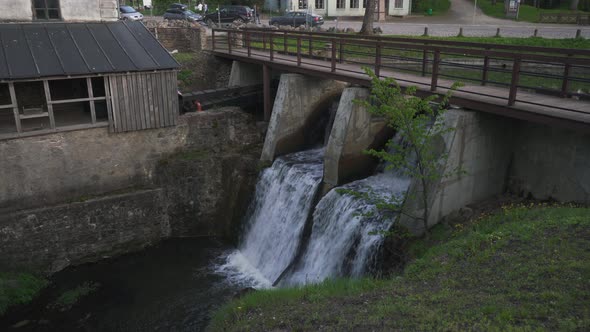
column 296, row 19
column 179, row 14
column 230, row 14
column 178, row 6
column 129, row 13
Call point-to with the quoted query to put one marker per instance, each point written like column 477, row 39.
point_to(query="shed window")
column 7, row 124
column 302, row 4
column 46, row 9
column 340, row 4
column 398, row 4
column 354, row 3
column 51, row 104
column 319, row 4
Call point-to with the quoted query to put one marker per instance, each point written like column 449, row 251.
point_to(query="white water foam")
column 283, row 198
column 342, row 241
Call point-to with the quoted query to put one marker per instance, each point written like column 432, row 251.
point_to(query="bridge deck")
column 568, row 112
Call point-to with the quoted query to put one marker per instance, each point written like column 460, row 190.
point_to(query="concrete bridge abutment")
column 299, row 102
column 354, row 130
column 243, row 74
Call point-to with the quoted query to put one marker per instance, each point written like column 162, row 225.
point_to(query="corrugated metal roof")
column 60, row 49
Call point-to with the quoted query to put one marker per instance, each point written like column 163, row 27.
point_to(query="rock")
column 349, row 30
column 20, row 324
column 377, row 30
column 243, row 292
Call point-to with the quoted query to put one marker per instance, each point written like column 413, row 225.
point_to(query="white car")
column 129, row 13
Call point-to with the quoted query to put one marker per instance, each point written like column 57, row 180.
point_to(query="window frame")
column 401, row 4
column 354, row 4
column 340, row 4
column 91, row 99
column 319, row 4
column 46, row 9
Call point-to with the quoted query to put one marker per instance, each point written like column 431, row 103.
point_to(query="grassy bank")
column 18, row 288
column 525, row 268
column 526, row 13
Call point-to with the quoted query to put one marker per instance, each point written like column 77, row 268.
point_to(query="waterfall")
column 276, row 218
column 342, row 240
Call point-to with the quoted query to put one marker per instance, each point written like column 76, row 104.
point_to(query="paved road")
column 460, row 15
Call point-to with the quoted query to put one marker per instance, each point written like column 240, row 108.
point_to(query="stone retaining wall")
column 190, row 180
column 183, row 39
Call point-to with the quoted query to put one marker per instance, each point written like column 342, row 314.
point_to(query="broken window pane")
column 33, row 124
column 98, row 86
column 7, row 122
column 68, row 89
column 71, row 114
column 5, row 95
column 30, row 97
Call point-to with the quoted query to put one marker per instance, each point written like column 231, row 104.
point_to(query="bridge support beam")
column 354, row 130
column 298, row 103
column 243, row 74
column 266, row 92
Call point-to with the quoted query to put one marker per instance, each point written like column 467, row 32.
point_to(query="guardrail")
column 553, row 71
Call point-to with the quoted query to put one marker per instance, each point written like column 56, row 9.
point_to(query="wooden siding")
column 143, row 101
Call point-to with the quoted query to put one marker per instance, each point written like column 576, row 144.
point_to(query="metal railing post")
column 229, row 42
column 298, row 51
column 271, row 46
column 340, row 51
column 333, row 59
column 435, row 64
column 285, row 46
column 310, row 46
column 424, row 60
column 514, row 81
column 565, row 82
column 378, row 59
column 486, row 64
column 213, row 39
column 248, row 43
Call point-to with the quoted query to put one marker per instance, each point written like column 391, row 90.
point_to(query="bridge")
column 538, row 84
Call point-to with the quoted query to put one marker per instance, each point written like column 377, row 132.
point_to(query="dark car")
column 178, row 6
column 179, row 14
column 230, row 14
column 296, row 19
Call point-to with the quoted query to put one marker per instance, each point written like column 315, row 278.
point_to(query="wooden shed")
column 69, row 76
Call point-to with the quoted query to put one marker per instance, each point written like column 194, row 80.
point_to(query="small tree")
column 413, row 118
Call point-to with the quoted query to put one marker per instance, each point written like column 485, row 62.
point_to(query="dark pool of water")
column 169, row 287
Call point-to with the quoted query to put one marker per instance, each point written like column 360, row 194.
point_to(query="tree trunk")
column 574, row 4
column 367, row 28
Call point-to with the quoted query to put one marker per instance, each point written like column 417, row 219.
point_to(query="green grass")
column 186, row 75
column 184, row 57
column 526, row 13
column 525, row 268
column 438, row 6
column 18, row 288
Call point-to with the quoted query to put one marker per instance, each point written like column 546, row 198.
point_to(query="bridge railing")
column 553, row 71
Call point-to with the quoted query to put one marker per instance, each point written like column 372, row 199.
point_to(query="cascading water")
column 277, row 216
column 342, row 240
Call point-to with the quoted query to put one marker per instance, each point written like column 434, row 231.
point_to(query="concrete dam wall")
column 497, row 154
